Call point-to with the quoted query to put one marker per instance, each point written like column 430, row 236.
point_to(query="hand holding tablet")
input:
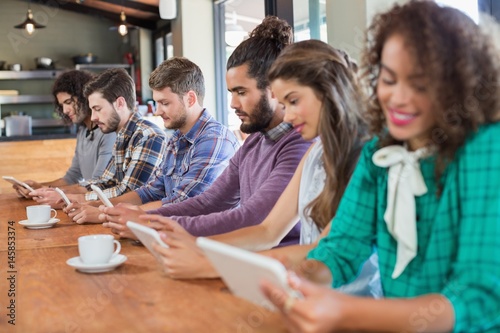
column 243, row 271
column 147, row 236
column 14, row 181
column 101, row 196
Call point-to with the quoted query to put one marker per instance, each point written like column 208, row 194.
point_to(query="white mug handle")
column 118, row 248
column 55, row 213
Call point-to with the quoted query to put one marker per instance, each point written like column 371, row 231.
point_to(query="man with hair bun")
column 258, row 173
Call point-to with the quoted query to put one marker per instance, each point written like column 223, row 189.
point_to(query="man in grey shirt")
column 93, row 148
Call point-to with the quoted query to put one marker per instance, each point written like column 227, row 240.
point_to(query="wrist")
column 351, row 313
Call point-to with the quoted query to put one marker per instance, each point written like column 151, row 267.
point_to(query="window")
column 163, row 48
column 309, row 20
column 234, row 20
column 469, row 7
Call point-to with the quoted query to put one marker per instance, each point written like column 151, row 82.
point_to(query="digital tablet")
column 147, row 236
column 242, row 271
column 63, row 196
column 101, row 196
column 14, row 181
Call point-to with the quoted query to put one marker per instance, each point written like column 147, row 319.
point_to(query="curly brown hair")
column 72, row 82
column 331, row 74
column 458, row 60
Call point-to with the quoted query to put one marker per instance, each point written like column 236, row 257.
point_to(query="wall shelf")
column 43, row 99
column 102, row 66
column 29, row 75
column 25, row 99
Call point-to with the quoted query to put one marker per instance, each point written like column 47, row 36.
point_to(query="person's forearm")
column 55, row 183
column 294, row 254
column 315, row 271
column 75, row 189
column 429, row 313
column 130, row 197
column 254, row 238
column 151, row 205
column 75, row 197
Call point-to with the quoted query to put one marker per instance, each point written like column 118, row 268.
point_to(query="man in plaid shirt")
column 140, row 145
column 198, row 151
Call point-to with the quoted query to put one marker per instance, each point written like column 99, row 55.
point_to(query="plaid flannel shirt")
column 137, row 158
column 192, row 161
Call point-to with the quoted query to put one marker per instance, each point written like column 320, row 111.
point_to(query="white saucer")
column 41, row 225
column 77, row 263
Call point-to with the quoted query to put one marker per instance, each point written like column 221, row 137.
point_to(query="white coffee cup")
column 39, row 213
column 97, row 249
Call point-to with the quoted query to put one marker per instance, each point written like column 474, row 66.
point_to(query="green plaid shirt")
column 458, row 233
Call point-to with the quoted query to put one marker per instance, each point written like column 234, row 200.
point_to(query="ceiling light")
column 123, row 27
column 29, row 24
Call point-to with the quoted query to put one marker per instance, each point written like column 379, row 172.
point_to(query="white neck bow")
column 405, row 181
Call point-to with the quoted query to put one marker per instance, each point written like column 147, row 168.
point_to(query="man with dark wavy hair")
column 93, row 148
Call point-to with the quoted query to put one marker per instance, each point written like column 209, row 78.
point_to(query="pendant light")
column 29, row 24
column 122, row 28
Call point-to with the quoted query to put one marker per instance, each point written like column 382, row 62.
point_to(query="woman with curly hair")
column 93, row 148
column 424, row 192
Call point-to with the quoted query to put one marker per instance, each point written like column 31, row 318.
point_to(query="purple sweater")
column 247, row 189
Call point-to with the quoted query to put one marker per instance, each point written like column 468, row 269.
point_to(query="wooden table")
column 51, row 296
column 39, row 160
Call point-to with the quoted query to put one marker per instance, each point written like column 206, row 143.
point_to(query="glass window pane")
column 160, row 52
column 169, row 45
column 309, row 19
column 469, row 7
column 241, row 17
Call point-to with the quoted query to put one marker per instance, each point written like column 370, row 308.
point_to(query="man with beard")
column 93, row 148
column 140, row 145
column 258, row 173
column 198, row 151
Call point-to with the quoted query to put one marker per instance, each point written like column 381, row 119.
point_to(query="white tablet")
column 101, row 196
column 63, row 196
column 147, row 236
column 14, row 181
column 243, row 271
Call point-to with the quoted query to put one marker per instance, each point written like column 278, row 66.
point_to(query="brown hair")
column 260, row 50
column 180, row 75
column 72, row 83
column 113, row 83
column 332, row 76
column 459, row 62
